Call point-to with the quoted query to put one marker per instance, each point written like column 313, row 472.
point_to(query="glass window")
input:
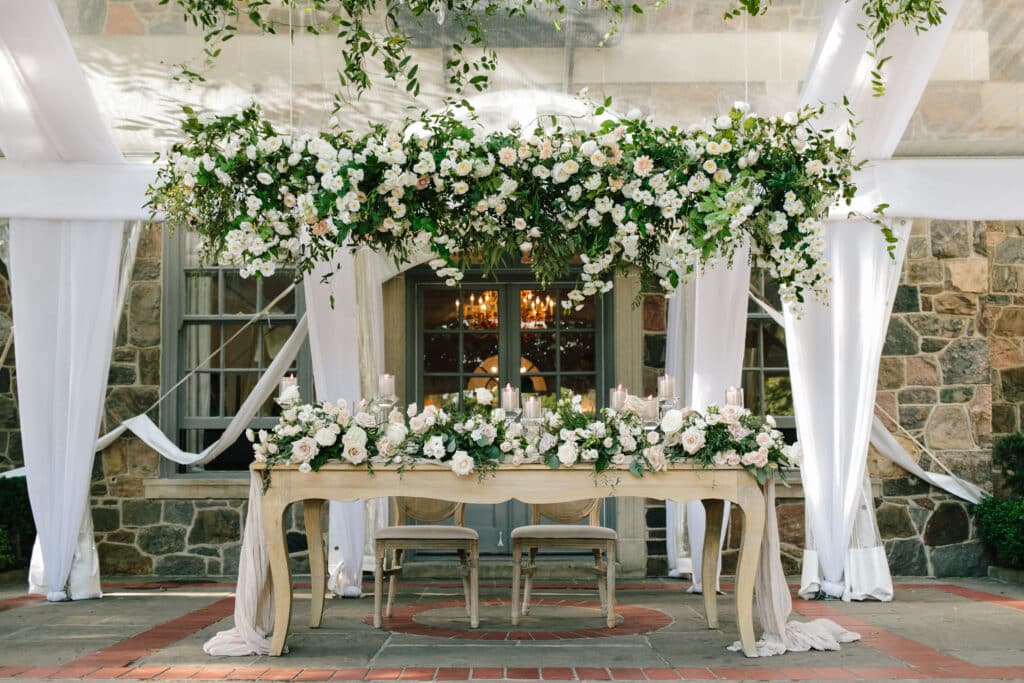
column 211, row 341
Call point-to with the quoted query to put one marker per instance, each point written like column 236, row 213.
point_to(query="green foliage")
column 380, row 35
column 1001, row 525
column 16, row 524
column 1008, row 454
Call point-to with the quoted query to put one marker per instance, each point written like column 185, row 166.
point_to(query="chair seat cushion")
column 564, row 531
column 426, row 532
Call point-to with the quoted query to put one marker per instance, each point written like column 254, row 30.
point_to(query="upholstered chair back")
column 568, row 513
column 426, row 510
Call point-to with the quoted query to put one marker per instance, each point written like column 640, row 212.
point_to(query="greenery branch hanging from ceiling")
column 380, row 33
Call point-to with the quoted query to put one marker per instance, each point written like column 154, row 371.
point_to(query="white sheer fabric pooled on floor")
column 706, row 336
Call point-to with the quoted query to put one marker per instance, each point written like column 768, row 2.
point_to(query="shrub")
column 16, row 520
column 6, row 554
column 1001, row 526
column 1008, row 454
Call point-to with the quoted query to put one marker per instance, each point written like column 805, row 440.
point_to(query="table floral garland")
column 631, row 193
column 477, row 438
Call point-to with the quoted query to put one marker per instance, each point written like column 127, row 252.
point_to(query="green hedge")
column 16, row 524
column 1001, row 525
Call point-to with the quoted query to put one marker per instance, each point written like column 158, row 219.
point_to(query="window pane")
column 480, row 353
column 541, row 385
column 241, row 351
column 200, row 342
column 201, row 292
column 751, row 391
column 274, row 338
column 778, row 394
column 537, row 309
column 480, row 310
column 578, row 351
column 483, row 382
column 201, row 394
column 774, row 346
column 440, row 352
column 237, row 456
column 751, row 348
column 239, row 294
column 438, row 390
column 585, row 386
column 272, row 288
column 237, row 386
column 538, row 352
column 440, row 309
column 584, row 318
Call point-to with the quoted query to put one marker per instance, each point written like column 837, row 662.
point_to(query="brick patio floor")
column 969, row 629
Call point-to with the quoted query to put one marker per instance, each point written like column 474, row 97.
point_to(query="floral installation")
column 478, row 438
column 629, row 194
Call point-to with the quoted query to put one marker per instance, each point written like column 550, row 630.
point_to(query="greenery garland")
column 380, row 34
column 629, row 194
column 472, row 436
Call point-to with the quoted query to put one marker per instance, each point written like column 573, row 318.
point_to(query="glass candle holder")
column 286, row 384
column 651, row 412
column 617, row 397
column 734, row 397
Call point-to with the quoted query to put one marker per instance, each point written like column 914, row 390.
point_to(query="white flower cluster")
column 662, row 199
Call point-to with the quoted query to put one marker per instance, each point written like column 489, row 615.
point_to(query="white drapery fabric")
column 833, row 357
column 707, row 321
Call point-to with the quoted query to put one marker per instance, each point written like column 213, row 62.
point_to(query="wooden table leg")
column 312, row 513
column 280, row 570
column 753, row 506
column 713, row 511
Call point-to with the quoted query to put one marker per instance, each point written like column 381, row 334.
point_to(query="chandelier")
column 536, row 310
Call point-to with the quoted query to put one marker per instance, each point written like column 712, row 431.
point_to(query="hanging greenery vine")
column 380, row 32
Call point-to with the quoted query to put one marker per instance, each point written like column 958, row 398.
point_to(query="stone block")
column 884, row 468
column 124, row 486
column 113, row 458
column 907, row 557
column 956, row 394
column 180, row 565
column 654, row 313
column 144, row 314
column 124, row 354
column 142, row 460
column 106, row 518
column 146, row 269
column 121, row 375
column 1007, row 279
column 947, row 525
column 205, row 551
column 1004, row 353
column 914, row 417
column 1004, row 418
column 965, row 559
column 921, row 395
column 791, row 523
column 1010, row 322
column 907, row 486
column 1012, row 383
column 900, row 339
column 213, row 526
column 919, row 515
column 1010, row 250
column 9, row 412
column 122, row 536
column 894, row 521
column 213, row 567
column 178, row 512
column 922, row 371
column 951, row 239
column 230, row 555
column 933, row 344
column 161, row 539
column 952, row 303
column 970, row 275
column 965, row 361
column 980, row 412
column 925, row 272
column 907, row 300
column 127, row 402
column 120, row 558
column 151, row 241
column 891, row 373
column 141, row 512
column 948, row 428
column 149, row 366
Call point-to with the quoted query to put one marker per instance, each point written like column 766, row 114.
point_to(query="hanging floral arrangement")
column 663, row 200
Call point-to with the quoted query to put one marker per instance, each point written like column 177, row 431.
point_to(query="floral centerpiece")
column 476, row 437
column 629, row 194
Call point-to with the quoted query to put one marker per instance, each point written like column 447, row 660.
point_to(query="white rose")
column 305, row 468
column 588, row 148
column 250, row 435
column 567, row 453
column 354, row 437
column 304, row 450
column 627, row 443
column 634, row 404
column 758, row 458
column 290, row 393
column 365, row 420
column 325, row 437
column 672, row 422
column 656, row 458
column 418, row 424
column 693, row 440
column 355, row 454
column 794, row 453
column 396, row 432
column 434, row 448
column 462, row 464
column 484, row 396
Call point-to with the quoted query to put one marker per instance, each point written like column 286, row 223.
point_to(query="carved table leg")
column 280, row 571
column 713, row 510
column 312, row 513
column 753, row 506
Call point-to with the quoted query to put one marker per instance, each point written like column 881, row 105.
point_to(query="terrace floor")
column 967, row 629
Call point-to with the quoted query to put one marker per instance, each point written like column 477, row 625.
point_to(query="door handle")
column 501, row 539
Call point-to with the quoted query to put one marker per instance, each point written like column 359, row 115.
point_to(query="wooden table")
column 534, row 483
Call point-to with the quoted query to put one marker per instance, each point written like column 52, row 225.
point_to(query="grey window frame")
column 172, row 361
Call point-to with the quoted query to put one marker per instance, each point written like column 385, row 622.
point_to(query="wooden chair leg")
column 393, row 581
column 378, row 581
column 610, row 569
column 474, row 582
column 464, row 570
column 531, row 567
column 517, row 572
column 601, row 572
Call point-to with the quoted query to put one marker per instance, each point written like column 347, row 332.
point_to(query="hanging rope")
column 746, row 61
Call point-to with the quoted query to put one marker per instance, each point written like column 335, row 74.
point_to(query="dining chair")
column 430, row 536
column 565, row 534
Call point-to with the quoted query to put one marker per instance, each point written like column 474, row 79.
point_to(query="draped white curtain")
column 706, row 335
column 833, row 359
